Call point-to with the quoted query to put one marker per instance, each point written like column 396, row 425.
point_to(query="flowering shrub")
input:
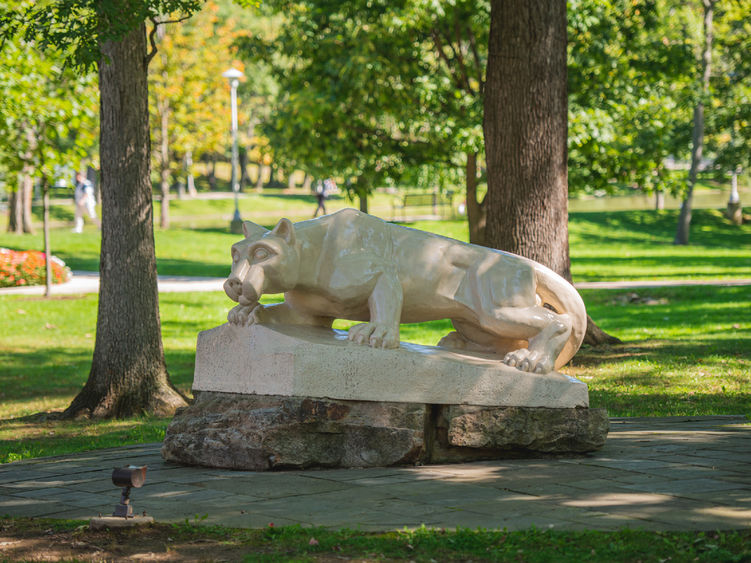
column 27, row 268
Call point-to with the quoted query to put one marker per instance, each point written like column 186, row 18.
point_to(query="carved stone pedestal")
column 285, row 397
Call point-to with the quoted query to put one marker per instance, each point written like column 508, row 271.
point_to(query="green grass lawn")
column 623, row 245
column 294, row 543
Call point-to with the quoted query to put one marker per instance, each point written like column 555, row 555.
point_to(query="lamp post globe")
column 234, row 75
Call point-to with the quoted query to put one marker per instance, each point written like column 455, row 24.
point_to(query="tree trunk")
column 525, row 127
column 15, row 209
column 164, row 164
column 259, row 180
column 190, row 180
column 27, row 191
column 475, row 209
column 291, row 184
column 243, row 158
column 697, row 137
column 128, row 373
column 46, row 229
column 212, row 173
column 659, row 200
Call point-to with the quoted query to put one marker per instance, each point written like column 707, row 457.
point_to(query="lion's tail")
column 560, row 296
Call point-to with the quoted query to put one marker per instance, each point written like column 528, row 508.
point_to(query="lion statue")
column 350, row 265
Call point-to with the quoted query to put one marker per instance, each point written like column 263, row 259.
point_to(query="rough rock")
column 534, row 429
column 261, row 432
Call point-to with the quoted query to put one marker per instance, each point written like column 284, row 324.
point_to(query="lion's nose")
column 232, row 287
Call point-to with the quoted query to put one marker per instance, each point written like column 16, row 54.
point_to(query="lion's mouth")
column 243, row 300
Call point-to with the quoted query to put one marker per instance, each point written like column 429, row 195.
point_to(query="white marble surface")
column 318, row 362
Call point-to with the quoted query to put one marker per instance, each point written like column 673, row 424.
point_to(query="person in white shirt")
column 84, row 200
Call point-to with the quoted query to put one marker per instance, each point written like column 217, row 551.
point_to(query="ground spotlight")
column 127, row 478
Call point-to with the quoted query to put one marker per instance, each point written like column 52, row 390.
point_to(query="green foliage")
column 375, row 89
column 78, row 27
column 630, row 67
column 47, row 111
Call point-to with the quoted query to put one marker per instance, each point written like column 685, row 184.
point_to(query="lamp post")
column 234, row 75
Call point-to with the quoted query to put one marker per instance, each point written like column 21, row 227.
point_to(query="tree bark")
column 47, row 248
column 164, row 175
column 259, row 179
column 476, row 217
column 525, row 127
column 28, row 196
column 190, row 179
column 15, row 210
column 697, row 137
column 243, row 158
column 128, row 373
column 212, row 173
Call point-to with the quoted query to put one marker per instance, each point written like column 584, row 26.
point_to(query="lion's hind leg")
column 471, row 337
column 543, row 331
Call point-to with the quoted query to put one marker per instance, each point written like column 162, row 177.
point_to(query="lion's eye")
column 235, row 255
column 260, row 254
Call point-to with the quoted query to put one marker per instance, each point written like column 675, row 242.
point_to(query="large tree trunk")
column 164, row 162
column 476, row 217
column 128, row 372
column 525, row 127
column 697, row 138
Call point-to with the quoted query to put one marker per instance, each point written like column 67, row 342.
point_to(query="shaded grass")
column 294, row 543
column 686, row 351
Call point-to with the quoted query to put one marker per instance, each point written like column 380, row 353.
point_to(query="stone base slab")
column 262, row 432
column 314, row 362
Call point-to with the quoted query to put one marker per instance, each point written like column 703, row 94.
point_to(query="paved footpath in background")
column 88, row 282
column 673, row 473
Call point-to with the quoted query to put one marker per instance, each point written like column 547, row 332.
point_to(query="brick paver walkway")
column 654, row 473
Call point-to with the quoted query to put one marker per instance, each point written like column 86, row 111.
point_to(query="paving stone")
column 665, row 474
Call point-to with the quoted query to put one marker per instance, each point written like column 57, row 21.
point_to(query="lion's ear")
column 286, row 230
column 251, row 230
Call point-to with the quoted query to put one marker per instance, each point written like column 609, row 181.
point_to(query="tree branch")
column 152, row 34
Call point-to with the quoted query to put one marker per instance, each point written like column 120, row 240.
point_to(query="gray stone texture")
column 262, row 432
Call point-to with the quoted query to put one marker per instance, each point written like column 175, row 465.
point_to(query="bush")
column 18, row 268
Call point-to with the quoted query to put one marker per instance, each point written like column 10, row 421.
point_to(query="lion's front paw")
column 529, row 360
column 375, row 335
column 244, row 315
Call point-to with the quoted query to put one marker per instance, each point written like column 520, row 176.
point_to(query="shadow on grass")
column 54, row 373
column 708, row 228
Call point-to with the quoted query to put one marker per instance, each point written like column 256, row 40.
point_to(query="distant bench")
column 437, row 204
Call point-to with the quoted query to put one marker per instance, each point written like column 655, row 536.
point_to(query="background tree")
column 188, row 96
column 46, row 120
column 128, row 372
column 629, row 68
column 373, row 90
column 730, row 118
column 697, row 134
column 47, row 124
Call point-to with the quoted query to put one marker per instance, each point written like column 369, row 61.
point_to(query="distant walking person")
column 321, row 197
column 84, row 200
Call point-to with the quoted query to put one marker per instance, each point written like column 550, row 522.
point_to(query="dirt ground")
column 152, row 543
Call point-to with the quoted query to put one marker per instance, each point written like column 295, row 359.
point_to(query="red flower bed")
column 26, row 267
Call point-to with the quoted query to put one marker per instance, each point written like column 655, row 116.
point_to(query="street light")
column 234, row 75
